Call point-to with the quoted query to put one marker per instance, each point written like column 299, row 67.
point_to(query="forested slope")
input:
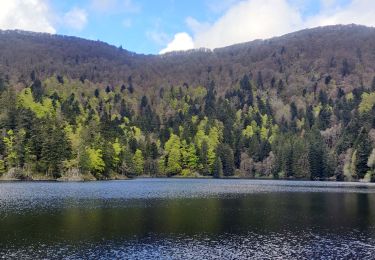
column 296, row 106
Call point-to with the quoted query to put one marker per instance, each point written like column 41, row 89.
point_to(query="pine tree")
column 151, row 167
column 204, row 158
column 323, row 98
column 37, row 90
column 346, row 69
column 227, row 158
column 260, row 80
column 363, row 152
column 318, row 157
column 97, row 93
column 289, row 162
column 55, row 149
column 293, row 110
column 3, row 84
column 217, row 168
column 324, row 118
column 210, row 100
column 154, row 153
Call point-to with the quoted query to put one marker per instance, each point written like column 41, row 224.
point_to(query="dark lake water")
column 187, row 219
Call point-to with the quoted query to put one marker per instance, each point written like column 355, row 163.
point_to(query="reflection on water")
column 186, row 219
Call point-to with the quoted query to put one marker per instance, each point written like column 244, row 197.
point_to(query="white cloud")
column 31, row 15
column 248, row 20
column 196, row 26
column 328, row 3
column 180, row 42
column 76, row 18
column 358, row 12
column 157, row 35
column 261, row 19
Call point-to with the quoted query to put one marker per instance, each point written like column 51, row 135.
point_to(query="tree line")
column 61, row 126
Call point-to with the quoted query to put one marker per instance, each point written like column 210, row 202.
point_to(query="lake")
column 187, row 219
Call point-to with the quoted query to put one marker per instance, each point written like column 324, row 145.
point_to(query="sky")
column 160, row 26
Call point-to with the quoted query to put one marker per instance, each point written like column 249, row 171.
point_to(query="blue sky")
column 154, row 26
column 146, row 27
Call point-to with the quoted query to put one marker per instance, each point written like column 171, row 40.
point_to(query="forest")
column 301, row 106
column 63, row 127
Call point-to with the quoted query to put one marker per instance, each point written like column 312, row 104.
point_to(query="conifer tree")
column 217, row 168
column 363, row 152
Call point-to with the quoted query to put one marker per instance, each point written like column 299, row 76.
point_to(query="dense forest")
column 281, row 108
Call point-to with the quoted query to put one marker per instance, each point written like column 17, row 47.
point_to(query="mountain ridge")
column 101, row 62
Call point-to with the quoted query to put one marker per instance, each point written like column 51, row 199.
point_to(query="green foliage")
column 248, row 132
column 189, row 155
column 225, row 153
column 173, row 155
column 151, row 167
column 37, row 90
column 139, row 162
column 318, row 156
column 41, row 110
column 4, row 84
column 2, row 167
column 117, row 149
column 367, row 103
column 324, row 117
column 292, row 156
column 363, row 153
column 56, row 149
column 63, row 125
column 11, row 155
column 94, row 161
column 218, row 168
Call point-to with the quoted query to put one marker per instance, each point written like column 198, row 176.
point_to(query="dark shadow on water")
column 262, row 213
column 297, row 220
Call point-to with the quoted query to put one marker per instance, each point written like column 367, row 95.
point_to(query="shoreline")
column 82, row 178
column 90, row 178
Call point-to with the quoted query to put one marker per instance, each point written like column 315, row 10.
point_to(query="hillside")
column 296, row 106
column 299, row 58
